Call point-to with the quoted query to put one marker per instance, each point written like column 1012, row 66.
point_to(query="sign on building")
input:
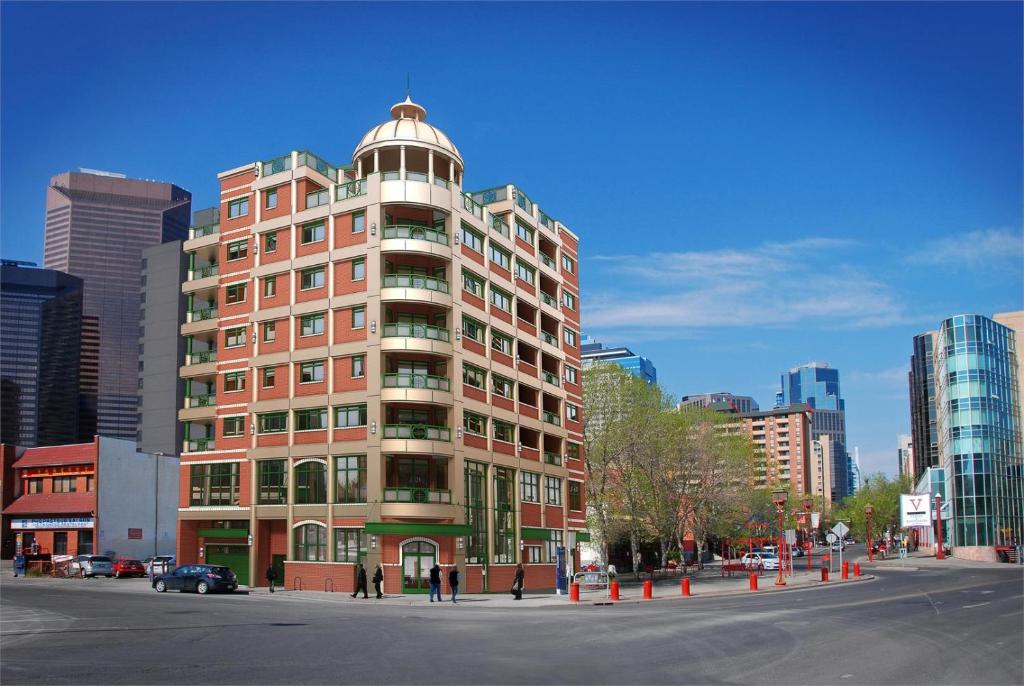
column 915, row 510
column 134, row 533
column 52, row 523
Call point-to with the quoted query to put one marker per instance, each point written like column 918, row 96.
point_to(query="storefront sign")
column 915, row 510
column 52, row 522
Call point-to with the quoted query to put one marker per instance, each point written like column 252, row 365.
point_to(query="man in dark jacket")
column 435, row 582
column 271, row 577
column 517, row 585
column 378, row 579
column 361, row 581
column 453, row 581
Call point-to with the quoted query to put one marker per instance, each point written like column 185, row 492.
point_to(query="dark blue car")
column 198, row 578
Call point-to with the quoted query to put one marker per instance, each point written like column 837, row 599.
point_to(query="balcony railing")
column 308, row 159
column 351, row 189
column 433, row 333
column 552, row 418
column 524, row 202
column 200, row 231
column 548, row 300
column 430, row 283
column 545, row 221
column 472, row 206
column 391, row 176
column 552, row 458
column 411, row 494
column 203, row 400
column 203, row 357
column 203, row 314
column 403, row 380
column 417, row 233
column 203, row 272
column 551, row 378
column 276, row 165
column 548, row 261
column 418, row 432
column 549, row 338
column 443, row 183
column 499, row 225
column 196, row 445
column 416, row 176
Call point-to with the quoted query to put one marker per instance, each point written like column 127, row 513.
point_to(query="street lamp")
column 868, row 511
column 779, row 499
column 808, row 504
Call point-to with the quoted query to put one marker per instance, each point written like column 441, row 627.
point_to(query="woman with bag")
column 517, row 585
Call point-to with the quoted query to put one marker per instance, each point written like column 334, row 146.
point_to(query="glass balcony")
column 472, row 206
column 443, row 183
column 524, row 202
column 203, row 314
column 552, row 458
column 275, row 166
column 203, row 357
column 491, row 195
column 430, row 283
column 548, row 300
column 203, row 272
column 434, row 333
column 550, row 378
column 418, row 233
column 548, row 261
column 308, row 159
column 200, row 231
column 391, row 176
column 552, row 418
column 501, row 227
column 433, row 383
column 549, row 338
column 196, row 445
column 205, row 400
column 416, row 176
column 351, row 189
column 418, row 432
column 545, row 220
column 412, row 494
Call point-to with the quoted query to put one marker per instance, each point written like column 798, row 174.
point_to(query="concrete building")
column 905, row 455
column 594, row 353
column 739, row 403
column 782, row 442
column 97, row 225
column 40, row 337
column 819, row 473
column 90, row 498
column 381, row 368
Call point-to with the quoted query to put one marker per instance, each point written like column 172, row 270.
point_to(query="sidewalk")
column 924, row 559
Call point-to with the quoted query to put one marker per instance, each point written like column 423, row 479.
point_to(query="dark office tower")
column 924, row 431
column 97, row 225
column 40, row 335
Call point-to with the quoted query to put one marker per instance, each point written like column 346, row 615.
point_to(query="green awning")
column 418, row 529
column 533, row 534
column 583, row 537
column 224, row 533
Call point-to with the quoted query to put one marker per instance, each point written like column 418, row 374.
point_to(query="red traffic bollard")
column 824, row 573
column 648, row 590
column 845, row 573
column 574, row 592
column 856, row 569
column 753, row 581
column 613, row 589
column 684, row 587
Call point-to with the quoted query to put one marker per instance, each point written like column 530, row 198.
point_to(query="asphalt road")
column 935, row 626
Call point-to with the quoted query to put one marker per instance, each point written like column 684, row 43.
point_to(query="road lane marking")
column 967, row 607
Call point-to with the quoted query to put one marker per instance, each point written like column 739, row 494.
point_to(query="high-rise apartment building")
column 782, row 445
column 905, row 455
column 738, row 403
column 381, row 368
column 97, row 225
column 819, row 472
column 817, row 385
column 40, row 336
column 594, row 352
column 923, row 428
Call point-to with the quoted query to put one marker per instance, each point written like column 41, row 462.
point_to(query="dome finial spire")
column 408, row 88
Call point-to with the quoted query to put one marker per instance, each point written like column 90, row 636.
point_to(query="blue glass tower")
column 593, row 352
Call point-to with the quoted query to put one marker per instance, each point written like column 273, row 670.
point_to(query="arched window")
column 310, row 483
column 311, row 543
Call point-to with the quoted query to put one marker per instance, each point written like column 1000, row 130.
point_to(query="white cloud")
column 986, row 248
column 891, row 376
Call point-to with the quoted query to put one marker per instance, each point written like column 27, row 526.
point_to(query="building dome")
column 408, row 125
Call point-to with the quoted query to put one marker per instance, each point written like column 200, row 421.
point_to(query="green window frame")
column 347, row 416
column 505, row 545
column 214, row 484
column 350, row 479
column 474, row 376
column 234, row 382
column 359, row 269
column 311, row 324
column 359, row 317
column 472, row 238
column 502, row 386
column 235, row 337
column 358, row 222
column 310, row 480
column 270, row 198
column 311, row 419
column 349, row 545
column 529, row 487
column 313, row 232
column 568, row 264
column 472, row 283
column 272, row 481
column 572, row 450
column 554, row 543
column 569, row 300
column 238, row 207
column 571, row 374
column 316, row 198
column 312, row 372
column 233, row 426
column 525, row 272
column 311, row 278
column 500, row 256
column 238, row 250
column 524, row 232
column 475, row 498
column 358, row 366
column 570, row 336
column 268, row 377
column 272, row 423
column 474, row 423
column 311, row 543
column 501, row 299
column 503, row 431
column 572, row 412
column 474, row 330
column 501, row 342
column 575, row 496
column 269, row 286
column 552, row 490
column 235, row 293
column 270, row 241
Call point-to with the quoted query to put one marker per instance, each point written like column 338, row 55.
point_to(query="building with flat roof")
column 381, row 368
column 905, row 455
column 739, row 403
column 594, row 353
column 923, row 417
column 782, row 441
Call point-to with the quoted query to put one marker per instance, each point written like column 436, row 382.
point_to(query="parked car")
column 838, row 545
column 760, row 561
column 198, row 578
column 95, row 565
column 798, row 551
column 126, row 567
column 164, row 563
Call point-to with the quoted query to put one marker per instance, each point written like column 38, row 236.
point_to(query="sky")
column 755, row 185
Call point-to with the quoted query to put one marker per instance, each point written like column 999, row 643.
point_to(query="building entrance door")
column 417, row 559
column 235, row 557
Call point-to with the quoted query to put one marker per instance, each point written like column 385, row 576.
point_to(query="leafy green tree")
column 883, row 494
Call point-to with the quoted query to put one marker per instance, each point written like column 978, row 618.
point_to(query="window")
column 346, row 416
column 234, row 426
column 501, row 342
column 234, row 338
column 500, row 257
column 34, row 485
column 531, row 554
column 90, row 483
column 268, row 377
column 269, row 332
column 238, row 208
column 568, row 264
column 358, row 317
column 235, row 293
column 312, row 419
column 529, row 487
column 271, row 198
column 311, row 543
column 572, row 412
column 570, row 337
column 569, row 300
column 501, row 299
column 571, row 374
column 503, row 431
column 472, row 283
column 317, row 198
column 64, row 484
column 505, row 543
column 270, row 287
column 238, row 250
column 524, row 232
column 554, row 544
column 525, row 272
column 474, row 423
column 472, row 239
column 312, row 232
column 311, row 278
column 234, row 381
column 349, row 545
column 359, row 269
column 272, row 476
column 502, row 386
column 350, row 479
column 552, row 490
column 214, row 484
column 358, row 366
column 311, row 372
column 473, row 329
column 272, row 423
column 310, row 483
column 474, row 376
column 60, row 542
column 476, row 511
column 311, row 324
column 575, row 496
column 270, row 242
column 358, row 222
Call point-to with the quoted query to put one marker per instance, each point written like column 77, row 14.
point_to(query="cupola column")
column 359, row 168
column 401, row 162
column 451, row 172
column 430, row 167
column 376, row 161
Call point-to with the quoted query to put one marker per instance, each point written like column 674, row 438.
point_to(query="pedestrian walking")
column 453, row 581
column 517, row 585
column 378, row 579
column 271, row 577
column 435, row 582
column 361, row 581
column 19, row 565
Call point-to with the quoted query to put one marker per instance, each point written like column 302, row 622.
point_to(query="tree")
column 883, row 494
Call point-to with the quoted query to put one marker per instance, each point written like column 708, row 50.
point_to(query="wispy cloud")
column 987, row 248
column 891, row 376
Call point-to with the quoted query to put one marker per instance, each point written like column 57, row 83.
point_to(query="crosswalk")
column 19, row 624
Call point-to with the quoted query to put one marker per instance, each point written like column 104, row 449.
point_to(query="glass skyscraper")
column 594, row 352
column 924, row 432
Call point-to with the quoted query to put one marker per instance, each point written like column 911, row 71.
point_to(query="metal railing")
column 548, row 261
column 443, row 183
column 551, row 378
column 552, row 418
column 202, row 357
column 552, row 458
column 418, row 432
column 501, row 227
column 548, row 300
column 196, row 445
column 203, row 314
column 200, row 231
column 425, row 381
column 350, row 189
column 430, row 283
column 434, row 333
column 413, row 494
column 417, row 233
column 416, row 176
column 308, row 159
column 472, row 206
column 274, row 166
column 203, row 272
column 204, row 400
column 548, row 338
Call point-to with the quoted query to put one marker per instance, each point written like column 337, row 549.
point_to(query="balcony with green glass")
column 350, row 189
column 308, row 159
column 552, row 458
column 549, row 338
column 552, row 418
column 203, row 272
column 201, row 314
column 549, row 300
column 203, row 231
column 418, row 432
column 201, row 400
column 429, row 283
column 550, row 378
column 421, row 331
column 411, row 232
column 198, row 445
column 276, row 165
column 548, row 262
column 412, row 494
column 417, row 381
column 201, row 357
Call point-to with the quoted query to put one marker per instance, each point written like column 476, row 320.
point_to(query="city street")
column 956, row 624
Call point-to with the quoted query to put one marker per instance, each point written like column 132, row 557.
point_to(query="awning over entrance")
column 417, row 529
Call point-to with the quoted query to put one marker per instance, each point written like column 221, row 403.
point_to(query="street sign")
column 791, row 536
column 915, row 510
column 841, row 529
column 815, row 519
column 831, row 537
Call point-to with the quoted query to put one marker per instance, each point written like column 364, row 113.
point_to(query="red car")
column 129, row 568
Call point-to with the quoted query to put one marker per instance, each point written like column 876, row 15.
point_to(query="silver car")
column 96, row 565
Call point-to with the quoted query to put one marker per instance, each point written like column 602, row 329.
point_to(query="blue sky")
column 756, row 185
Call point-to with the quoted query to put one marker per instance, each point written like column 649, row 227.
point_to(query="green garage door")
column 234, row 556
